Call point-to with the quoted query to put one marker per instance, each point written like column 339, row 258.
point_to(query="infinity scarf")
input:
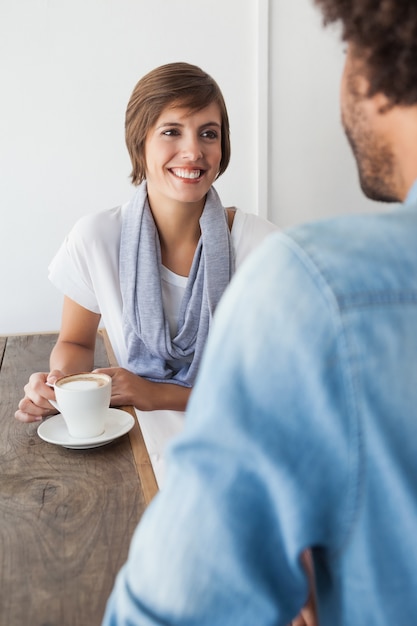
column 145, row 328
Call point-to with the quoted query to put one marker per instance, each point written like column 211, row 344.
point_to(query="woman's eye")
column 171, row 132
column 210, row 134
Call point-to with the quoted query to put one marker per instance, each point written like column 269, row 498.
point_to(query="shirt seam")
column 350, row 386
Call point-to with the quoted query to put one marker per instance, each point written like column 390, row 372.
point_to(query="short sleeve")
column 248, row 231
column 69, row 270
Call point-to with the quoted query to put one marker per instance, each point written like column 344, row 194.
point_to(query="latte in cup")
column 83, row 401
column 82, row 381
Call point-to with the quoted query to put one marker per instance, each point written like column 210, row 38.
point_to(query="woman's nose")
column 191, row 149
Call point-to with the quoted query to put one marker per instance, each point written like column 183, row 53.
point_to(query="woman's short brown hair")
column 175, row 83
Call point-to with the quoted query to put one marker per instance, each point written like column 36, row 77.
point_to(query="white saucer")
column 54, row 430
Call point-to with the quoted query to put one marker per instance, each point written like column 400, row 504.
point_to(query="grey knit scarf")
column 149, row 344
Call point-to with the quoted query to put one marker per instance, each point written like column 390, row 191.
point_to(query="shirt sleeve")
column 69, row 269
column 248, row 232
column 265, row 466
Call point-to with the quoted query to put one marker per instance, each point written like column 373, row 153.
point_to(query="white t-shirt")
column 86, row 268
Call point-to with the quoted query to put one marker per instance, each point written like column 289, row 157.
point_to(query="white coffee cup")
column 83, row 401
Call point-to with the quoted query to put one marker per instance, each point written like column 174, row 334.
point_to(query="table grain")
column 66, row 516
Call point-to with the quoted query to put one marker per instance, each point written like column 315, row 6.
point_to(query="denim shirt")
column 301, row 432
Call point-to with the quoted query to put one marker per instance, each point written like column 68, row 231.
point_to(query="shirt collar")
column 412, row 194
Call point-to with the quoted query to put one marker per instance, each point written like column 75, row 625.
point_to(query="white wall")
column 67, row 69
column 312, row 173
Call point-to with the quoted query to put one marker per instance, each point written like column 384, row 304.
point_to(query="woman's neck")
column 179, row 231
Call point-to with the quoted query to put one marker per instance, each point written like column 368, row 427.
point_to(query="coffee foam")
column 81, row 382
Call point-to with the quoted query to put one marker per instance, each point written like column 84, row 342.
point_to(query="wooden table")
column 66, row 516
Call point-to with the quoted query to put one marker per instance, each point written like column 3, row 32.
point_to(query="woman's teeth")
column 183, row 173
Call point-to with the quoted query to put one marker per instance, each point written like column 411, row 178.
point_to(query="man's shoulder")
column 361, row 253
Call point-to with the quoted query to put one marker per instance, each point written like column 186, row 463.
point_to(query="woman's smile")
column 187, row 174
column 183, row 153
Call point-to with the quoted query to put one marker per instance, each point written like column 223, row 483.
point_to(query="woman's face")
column 183, row 153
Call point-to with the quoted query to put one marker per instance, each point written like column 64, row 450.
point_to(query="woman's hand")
column 72, row 353
column 35, row 405
column 131, row 389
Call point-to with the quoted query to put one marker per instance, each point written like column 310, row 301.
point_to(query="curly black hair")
column 385, row 34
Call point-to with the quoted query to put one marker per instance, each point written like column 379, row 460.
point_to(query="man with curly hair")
column 301, row 432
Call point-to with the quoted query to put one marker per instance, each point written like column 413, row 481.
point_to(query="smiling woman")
column 183, row 154
column 154, row 269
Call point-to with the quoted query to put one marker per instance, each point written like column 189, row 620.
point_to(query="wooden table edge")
column 140, row 453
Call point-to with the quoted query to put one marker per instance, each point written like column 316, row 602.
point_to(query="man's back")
column 368, row 266
column 307, row 438
column 301, row 431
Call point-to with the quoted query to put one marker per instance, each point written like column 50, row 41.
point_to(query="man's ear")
column 382, row 103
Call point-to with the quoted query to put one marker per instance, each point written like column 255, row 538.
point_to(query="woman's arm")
column 128, row 388
column 73, row 352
